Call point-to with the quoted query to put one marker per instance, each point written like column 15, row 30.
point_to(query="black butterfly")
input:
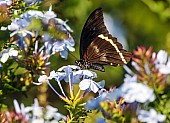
column 98, row 47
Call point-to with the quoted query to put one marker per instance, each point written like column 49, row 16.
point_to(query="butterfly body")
column 98, row 47
column 87, row 65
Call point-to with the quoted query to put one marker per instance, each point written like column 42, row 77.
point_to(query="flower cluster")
column 139, row 92
column 33, row 114
column 72, row 74
column 32, row 20
column 34, row 36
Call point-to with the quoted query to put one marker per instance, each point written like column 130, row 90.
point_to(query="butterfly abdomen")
column 98, row 67
column 87, row 65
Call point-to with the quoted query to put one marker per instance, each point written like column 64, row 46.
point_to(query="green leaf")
column 13, row 66
column 8, row 86
column 19, row 71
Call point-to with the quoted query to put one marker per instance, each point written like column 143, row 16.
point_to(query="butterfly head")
column 83, row 64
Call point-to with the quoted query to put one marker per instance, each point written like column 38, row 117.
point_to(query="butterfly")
column 98, row 47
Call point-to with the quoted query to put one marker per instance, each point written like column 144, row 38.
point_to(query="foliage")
column 32, row 42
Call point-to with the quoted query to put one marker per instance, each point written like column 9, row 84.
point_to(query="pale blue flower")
column 48, row 15
column 69, row 68
column 88, row 84
column 14, row 25
column 51, row 45
column 147, row 69
column 38, row 114
column 135, row 65
column 31, row 2
column 76, row 73
column 72, row 74
column 40, row 120
column 94, row 103
column 23, row 32
column 7, row 2
column 129, row 78
column 86, row 74
column 0, row 66
column 43, row 79
column 60, row 46
column 115, row 94
column 7, row 53
column 162, row 57
column 58, row 76
column 150, row 116
column 101, row 120
column 34, row 13
column 162, row 62
column 128, row 70
column 50, row 112
column 37, row 110
column 137, row 92
column 63, row 47
column 18, row 27
column 16, row 106
column 20, row 109
column 64, row 23
column 46, row 37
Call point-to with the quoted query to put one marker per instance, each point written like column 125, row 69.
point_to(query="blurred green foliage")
column 146, row 22
column 142, row 26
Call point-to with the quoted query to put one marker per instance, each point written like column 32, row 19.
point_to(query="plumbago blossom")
column 24, row 24
column 163, row 62
column 72, row 75
column 9, row 2
column 134, row 92
column 5, row 2
column 137, row 92
column 6, row 53
column 150, row 116
column 35, row 36
column 151, row 70
column 34, row 114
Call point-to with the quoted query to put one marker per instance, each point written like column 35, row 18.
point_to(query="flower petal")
column 84, row 84
column 43, row 79
column 4, row 57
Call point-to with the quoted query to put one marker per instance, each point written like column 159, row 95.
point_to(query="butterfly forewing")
column 93, row 27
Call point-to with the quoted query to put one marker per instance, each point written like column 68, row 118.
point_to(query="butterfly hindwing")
column 106, row 50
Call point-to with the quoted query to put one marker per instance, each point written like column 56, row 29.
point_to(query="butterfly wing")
column 106, row 50
column 93, row 27
column 98, row 47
